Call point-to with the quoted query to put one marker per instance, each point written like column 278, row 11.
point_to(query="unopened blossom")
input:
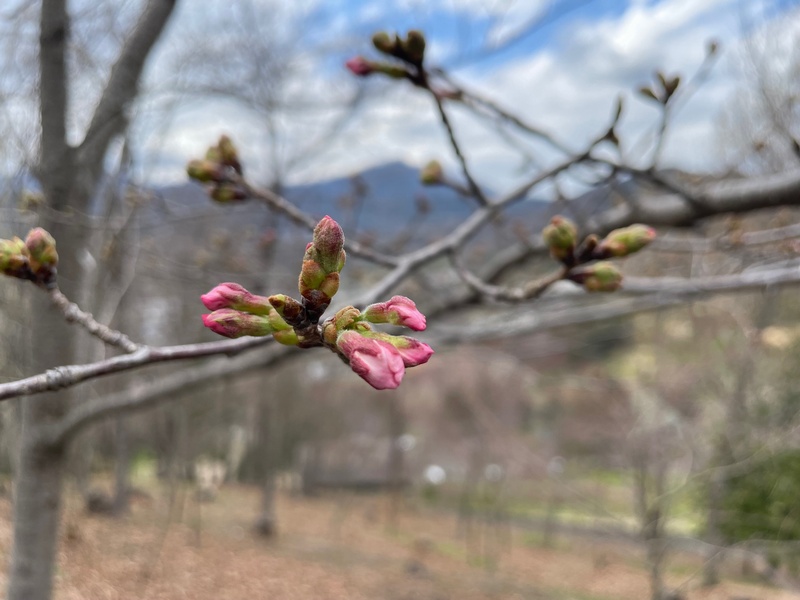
column 398, row 310
column 412, row 351
column 625, row 241
column 233, row 323
column 360, row 66
column 233, row 295
column 376, row 362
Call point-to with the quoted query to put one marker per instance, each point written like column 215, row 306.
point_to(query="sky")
column 559, row 64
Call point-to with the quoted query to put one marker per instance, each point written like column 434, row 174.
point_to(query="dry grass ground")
column 337, row 547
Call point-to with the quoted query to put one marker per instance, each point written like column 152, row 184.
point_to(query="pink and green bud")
column 560, row 235
column 329, row 241
column 360, row 66
column 375, row 361
column 412, row 351
column 42, row 255
column 398, row 310
column 204, row 170
column 625, row 241
column 599, row 277
column 233, row 295
column 233, row 324
column 431, row 174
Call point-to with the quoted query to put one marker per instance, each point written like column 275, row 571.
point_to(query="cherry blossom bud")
column 599, row 277
column 329, row 241
column 233, row 295
column 560, row 236
column 204, row 170
column 228, row 154
column 14, row 258
column 431, row 174
column 346, row 318
column 360, row 66
column 412, row 351
column 414, row 46
column 42, row 255
column 233, row 324
column 385, row 43
column 398, row 310
column 377, row 362
column 625, row 241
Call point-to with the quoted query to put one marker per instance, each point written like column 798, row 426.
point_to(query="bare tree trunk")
column 36, row 507
column 395, row 463
column 122, row 467
column 68, row 176
column 268, row 448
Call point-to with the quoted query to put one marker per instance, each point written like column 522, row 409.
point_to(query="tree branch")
column 147, row 394
column 73, row 314
column 109, row 119
column 71, row 375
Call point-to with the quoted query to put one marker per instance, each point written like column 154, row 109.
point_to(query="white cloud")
column 568, row 89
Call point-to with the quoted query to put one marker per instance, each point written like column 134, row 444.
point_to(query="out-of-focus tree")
column 71, row 173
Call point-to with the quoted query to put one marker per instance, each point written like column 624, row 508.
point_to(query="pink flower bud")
column 328, row 242
column 359, row 66
column 41, row 250
column 233, row 295
column 233, row 324
column 399, row 310
column 412, row 351
column 376, row 362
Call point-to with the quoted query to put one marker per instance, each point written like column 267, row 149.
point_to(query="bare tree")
column 69, row 175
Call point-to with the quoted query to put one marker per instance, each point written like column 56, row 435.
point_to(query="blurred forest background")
column 652, row 454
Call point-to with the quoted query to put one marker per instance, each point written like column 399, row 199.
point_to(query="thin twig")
column 477, row 193
column 529, row 291
column 73, row 314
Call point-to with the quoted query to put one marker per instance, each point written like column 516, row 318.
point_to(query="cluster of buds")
column 34, row 259
column 410, row 51
column 323, row 260
column 237, row 313
column 561, row 237
column 377, row 357
column 220, row 171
